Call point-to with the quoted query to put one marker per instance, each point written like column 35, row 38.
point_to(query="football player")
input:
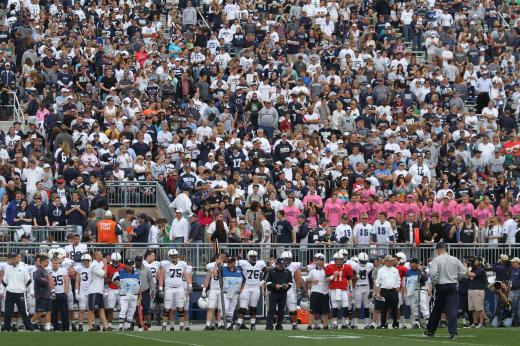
column 296, row 289
column 171, row 276
column 340, row 281
column 82, row 283
column 214, row 301
column 61, row 290
column 362, row 287
column 185, row 324
column 252, row 269
column 127, row 280
column 111, row 290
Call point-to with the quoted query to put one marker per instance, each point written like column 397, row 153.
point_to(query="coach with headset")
column 445, row 273
column 16, row 281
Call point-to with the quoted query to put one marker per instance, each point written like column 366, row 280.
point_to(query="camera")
column 470, row 260
column 497, row 285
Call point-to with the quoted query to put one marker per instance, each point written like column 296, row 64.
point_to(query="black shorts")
column 43, row 305
column 95, row 301
column 378, row 304
column 319, row 303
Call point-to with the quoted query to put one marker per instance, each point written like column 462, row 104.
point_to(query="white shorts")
column 214, row 301
column 70, row 301
column 111, row 298
column 292, row 298
column 230, row 303
column 361, row 296
column 249, row 297
column 83, row 301
column 174, row 297
column 31, row 304
column 338, row 298
column 403, row 299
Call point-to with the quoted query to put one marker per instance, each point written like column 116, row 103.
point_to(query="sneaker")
column 279, row 327
column 309, row 327
column 453, row 336
column 295, row 327
column 353, row 326
column 428, row 334
column 253, row 327
column 74, row 327
column 478, row 326
column 163, row 328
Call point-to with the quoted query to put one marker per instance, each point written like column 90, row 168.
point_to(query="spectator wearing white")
column 182, row 202
column 510, row 228
column 31, row 175
column 180, row 228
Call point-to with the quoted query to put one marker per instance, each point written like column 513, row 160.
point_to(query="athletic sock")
column 47, row 326
column 253, row 321
column 164, row 323
column 240, row 320
column 208, row 323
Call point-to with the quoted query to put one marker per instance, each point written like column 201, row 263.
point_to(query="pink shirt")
column 427, row 211
column 391, row 209
column 372, row 210
column 411, row 208
column 501, row 214
column 515, row 209
column 446, row 211
column 291, row 214
column 354, row 210
column 316, row 199
column 482, row 215
column 464, row 209
column 333, row 211
column 41, row 114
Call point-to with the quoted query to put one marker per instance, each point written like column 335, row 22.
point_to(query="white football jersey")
column 76, row 250
column 213, row 284
column 174, row 274
column 344, row 230
column 383, row 231
column 363, row 233
column 154, row 267
column 362, row 272
column 84, row 280
column 252, row 272
column 59, row 279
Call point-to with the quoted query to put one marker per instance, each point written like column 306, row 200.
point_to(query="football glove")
column 370, row 295
column 204, row 295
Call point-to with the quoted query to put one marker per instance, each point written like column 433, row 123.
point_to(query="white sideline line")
column 426, row 339
column 155, row 339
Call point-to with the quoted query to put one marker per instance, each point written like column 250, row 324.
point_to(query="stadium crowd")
column 294, row 122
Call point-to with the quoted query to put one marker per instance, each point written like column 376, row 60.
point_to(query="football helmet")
column 86, row 257
column 203, row 303
column 115, row 257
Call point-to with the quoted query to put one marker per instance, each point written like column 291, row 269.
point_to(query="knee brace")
column 242, row 311
column 252, row 311
column 180, row 312
column 334, row 312
column 166, row 313
column 292, row 313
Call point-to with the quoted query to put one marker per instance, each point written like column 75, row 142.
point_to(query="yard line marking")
column 158, row 340
column 429, row 340
column 420, row 336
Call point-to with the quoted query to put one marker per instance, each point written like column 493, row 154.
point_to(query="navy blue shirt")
column 515, row 278
column 479, row 282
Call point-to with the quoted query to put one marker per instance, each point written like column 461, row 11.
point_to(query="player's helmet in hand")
column 304, row 304
column 203, row 303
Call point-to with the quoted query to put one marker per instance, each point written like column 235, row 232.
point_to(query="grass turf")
column 470, row 337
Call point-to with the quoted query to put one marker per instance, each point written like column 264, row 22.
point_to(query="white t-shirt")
column 322, row 286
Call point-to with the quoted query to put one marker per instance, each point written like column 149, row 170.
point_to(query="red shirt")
column 402, row 273
column 111, row 270
column 340, row 282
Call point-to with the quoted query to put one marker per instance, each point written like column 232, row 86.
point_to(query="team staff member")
column 319, row 298
column 388, row 282
column 108, row 230
column 42, row 292
column 445, row 272
column 515, row 289
column 16, row 281
column 148, row 287
column 278, row 281
column 477, row 284
column 96, row 275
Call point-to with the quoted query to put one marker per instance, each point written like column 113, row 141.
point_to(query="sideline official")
column 278, row 281
column 445, row 272
column 16, row 282
column 388, row 282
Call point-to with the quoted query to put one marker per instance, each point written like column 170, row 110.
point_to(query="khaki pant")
column 476, row 300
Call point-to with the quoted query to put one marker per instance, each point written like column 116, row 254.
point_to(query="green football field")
column 473, row 337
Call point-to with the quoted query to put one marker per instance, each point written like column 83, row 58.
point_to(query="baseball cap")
column 138, row 258
column 440, row 245
column 515, row 259
column 129, row 262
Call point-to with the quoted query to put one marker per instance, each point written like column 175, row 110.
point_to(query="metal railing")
column 36, row 233
column 18, row 112
column 198, row 255
column 139, row 194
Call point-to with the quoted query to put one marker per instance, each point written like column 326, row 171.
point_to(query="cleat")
column 109, row 329
column 181, row 328
column 80, row 328
column 230, row 327
column 353, row 326
column 326, row 328
column 382, row 327
column 268, row 328
column 278, row 327
column 241, row 327
column 309, row 327
column 345, row 326
column 172, row 329
column 453, row 336
column 221, row 327
column 120, row 329
column 416, row 325
column 295, row 327
column 253, row 327
column 163, row 328
column 316, row 328
column 428, row 334
column 14, row 328
column 74, row 327
column 187, row 329
column 209, row 328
